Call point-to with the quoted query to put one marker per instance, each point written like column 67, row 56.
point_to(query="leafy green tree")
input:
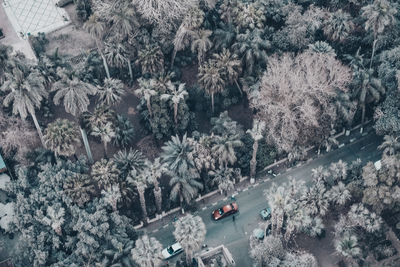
column 25, row 90
column 111, row 92
column 112, row 196
column 61, row 136
column 105, row 173
column 190, row 232
column 97, row 29
column 210, row 79
column 147, row 252
column 176, row 95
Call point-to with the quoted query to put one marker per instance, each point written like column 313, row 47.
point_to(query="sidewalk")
column 262, row 177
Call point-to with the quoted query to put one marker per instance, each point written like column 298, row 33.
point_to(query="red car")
column 224, row 211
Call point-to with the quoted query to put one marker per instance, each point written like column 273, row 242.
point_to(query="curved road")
column 235, row 234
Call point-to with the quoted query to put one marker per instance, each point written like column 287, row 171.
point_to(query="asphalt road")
column 235, row 234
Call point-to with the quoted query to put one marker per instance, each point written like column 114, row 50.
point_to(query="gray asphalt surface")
column 235, row 234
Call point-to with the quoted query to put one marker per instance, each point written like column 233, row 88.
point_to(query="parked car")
column 224, row 211
column 172, row 250
column 265, row 214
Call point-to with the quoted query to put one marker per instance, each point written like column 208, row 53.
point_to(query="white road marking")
column 203, row 208
column 165, row 226
column 215, row 203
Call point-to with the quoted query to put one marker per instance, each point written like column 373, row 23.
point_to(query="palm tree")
column 112, row 196
column 97, row 29
column 156, row 170
column 230, row 67
column 105, row 132
column 124, row 131
column 76, row 99
column 338, row 26
column 177, row 156
column 201, row 44
column 348, row 247
column 151, row 59
column 123, row 19
column 182, row 39
column 141, row 180
column 111, row 92
column 190, row 232
column 370, row 89
column 250, row 46
column 25, row 90
column 257, row 134
column 378, row 15
column 338, row 170
column 223, row 178
column 176, row 95
column 74, row 92
column 224, row 149
column 129, row 160
column 390, row 145
column 147, row 252
column 339, row 194
column 105, row 172
column 185, row 186
column 61, row 137
column 210, row 79
column 146, row 90
column 117, row 55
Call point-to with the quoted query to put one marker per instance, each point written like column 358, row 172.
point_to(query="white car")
column 171, row 251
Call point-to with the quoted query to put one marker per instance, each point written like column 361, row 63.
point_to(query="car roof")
column 176, row 246
column 227, row 208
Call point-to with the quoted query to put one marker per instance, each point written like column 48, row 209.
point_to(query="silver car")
column 172, row 250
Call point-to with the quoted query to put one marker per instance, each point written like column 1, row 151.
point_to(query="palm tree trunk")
column 173, row 58
column 253, row 161
column 212, row 102
column 105, row 149
column 176, row 113
column 181, row 201
column 188, row 257
column 105, row 64
column 149, row 107
column 86, row 144
column 158, row 196
column 362, row 115
column 373, row 52
column 143, row 205
column 238, row 87
column 39, row 130
column 130, row 70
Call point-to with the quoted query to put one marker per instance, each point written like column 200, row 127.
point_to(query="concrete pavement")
column 235, row 234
